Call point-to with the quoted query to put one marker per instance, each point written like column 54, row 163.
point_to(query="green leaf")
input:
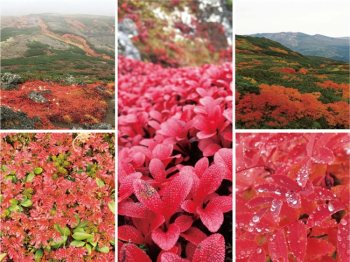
column 38, row 255
column 111, row 206
column 79, row 229
column 64, row 231
column 89, row 248
column 104, row 249
column 59, row 243
column 30, row 177
column 100, row 182
column 2, row 256
column 81, row 235
column 77, row 243
column 38, row 170
column 27, row 203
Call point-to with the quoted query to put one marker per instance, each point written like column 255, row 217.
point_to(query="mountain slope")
column 312, row 45
column 52, row 45
column 280, row 88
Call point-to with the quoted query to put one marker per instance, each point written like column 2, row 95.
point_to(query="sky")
column 326, row 17
column 24, row 7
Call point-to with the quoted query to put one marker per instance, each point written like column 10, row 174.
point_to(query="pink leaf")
column 194, row 235
column 130, row 234
column 277, row 245
column 323, row 212
column 343, row 239
column 157, row 169
column 210, row 249
column 175, row 193
column 317, row 248
column 245, row 248
column 297, row 239
column 171, row 257
column 131, row 253
column 147, row 195
column 211, row 216
column 166, row 239
column 184, row 222
column 210, row 181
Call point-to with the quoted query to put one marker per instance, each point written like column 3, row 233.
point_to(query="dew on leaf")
column 256, row 219
column 330, row 207
column 343, row 222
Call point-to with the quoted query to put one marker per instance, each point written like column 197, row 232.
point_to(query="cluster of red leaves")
column 343, row 88
column 162, row 46
column 292, row 197
column 276, row 106
column 65, row 104
column 57, row 197
column 175, row 166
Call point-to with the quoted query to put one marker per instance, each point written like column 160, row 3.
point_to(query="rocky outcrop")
column 10, row 81
column 126, row 30
column 15, row 120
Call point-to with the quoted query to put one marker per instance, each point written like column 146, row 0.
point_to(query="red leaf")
column 157, row 169
column 223, row 158
column 130, row 234
column 245, row 248
column 194, row 235
column 210, row 181
column 277, row 245
column 131, row 253
column 171, row 257
column 210, row 249
column 175, row 193
column 317, row 248
column 132, row 209
column 297, row 239
column 323, row 212
column 147, row 195
column 285, row 182
column 184, row 222
column 211, row 216
column 323, row 155
column 166, row 240
column 126, row 186
column 343, row 239
column 258, row 256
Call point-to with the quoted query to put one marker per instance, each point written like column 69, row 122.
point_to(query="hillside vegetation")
column 279, row 88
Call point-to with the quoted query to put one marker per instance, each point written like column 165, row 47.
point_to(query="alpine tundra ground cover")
column 292, row 197
column 175, row 162
column 57, row 197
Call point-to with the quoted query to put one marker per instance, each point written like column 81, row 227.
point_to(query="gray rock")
column 98, row 126
column 10, row 81
column 126, row 30
column 37, row 97
column 15, row 120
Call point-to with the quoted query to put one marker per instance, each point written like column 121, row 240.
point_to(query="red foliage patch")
column 64, row 104
column 57, row 197
column 292, row 196
column 175, row 162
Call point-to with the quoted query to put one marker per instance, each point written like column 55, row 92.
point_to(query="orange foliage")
column 287, row 70
column 276, row 106
column 343, row 88
column 303, row 71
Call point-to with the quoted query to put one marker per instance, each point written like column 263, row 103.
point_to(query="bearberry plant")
column 57, row 197
column 292, row 197
column 175, row 162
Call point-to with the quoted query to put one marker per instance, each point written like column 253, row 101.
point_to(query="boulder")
column 15, row 120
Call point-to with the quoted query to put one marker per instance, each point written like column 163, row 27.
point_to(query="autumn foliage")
column 277, row 106
column 292, row 197
column 175, row 162
column 63, row 105
column 57, row 197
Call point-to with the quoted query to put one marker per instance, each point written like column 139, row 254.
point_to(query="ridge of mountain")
column 336, row 48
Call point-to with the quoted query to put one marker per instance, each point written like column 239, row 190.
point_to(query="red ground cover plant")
column 65, row 104
column 175, row 162
column 292, row 197
column 57, row 197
